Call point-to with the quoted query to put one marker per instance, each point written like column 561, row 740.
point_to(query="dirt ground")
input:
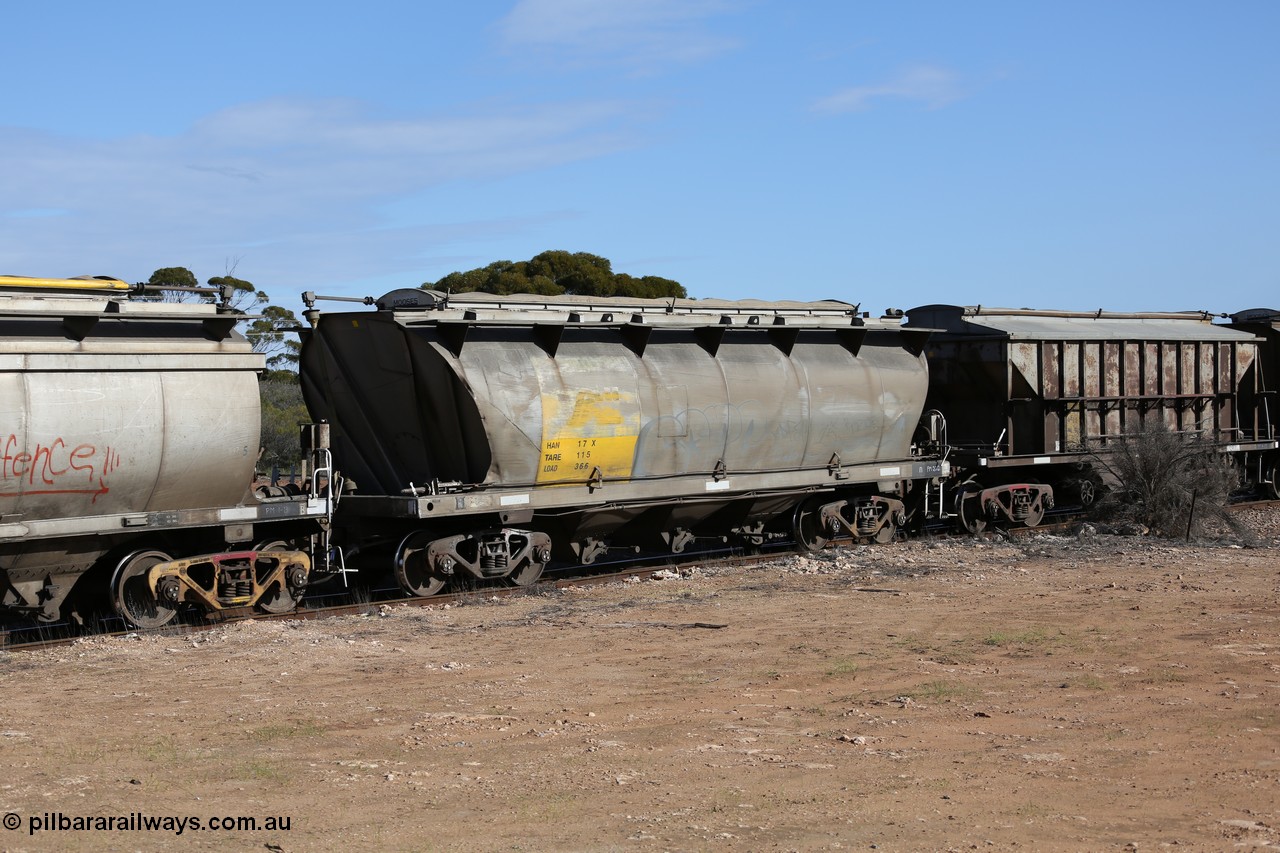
column 1074, row 692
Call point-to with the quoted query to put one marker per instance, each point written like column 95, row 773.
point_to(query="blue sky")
column 1093, row 154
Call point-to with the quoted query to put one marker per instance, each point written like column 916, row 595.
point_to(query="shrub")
column 1162, row 474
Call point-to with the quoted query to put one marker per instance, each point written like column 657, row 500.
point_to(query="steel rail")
column 649, row 566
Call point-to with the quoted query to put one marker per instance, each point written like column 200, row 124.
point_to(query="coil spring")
column 234, row 586
column 490, row 561
column 868, row 520
column 1021, row 505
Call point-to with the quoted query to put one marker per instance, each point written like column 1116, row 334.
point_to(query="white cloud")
column 293, row 186
column 933, row 86
column 644, row 35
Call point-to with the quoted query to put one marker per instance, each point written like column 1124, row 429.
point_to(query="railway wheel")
column 132, row 598
column 806, row 526
column 537, row 556
column 887, row 533
column 1271, row 481
column 528, row 574
column 413, row 571
column 1088, row 493
column 278, row 599
column 969, row 507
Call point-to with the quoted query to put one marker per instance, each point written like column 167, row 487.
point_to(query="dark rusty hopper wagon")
column 1031, row 397
column 1265, row 323
column 484, row 433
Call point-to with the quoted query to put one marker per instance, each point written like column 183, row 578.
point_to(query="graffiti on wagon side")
column 56, row 468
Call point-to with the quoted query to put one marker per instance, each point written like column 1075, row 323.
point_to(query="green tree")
column 244, row 296
column 282, row 411
column 269, row 336
column 173, row 277
column 557, row 272
column 267, row 332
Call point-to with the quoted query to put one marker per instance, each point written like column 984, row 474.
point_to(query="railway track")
column 1243, row 505
column 23, row 638
column 64, row 634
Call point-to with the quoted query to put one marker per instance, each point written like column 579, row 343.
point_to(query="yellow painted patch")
column 574, row 458
column 600, row 431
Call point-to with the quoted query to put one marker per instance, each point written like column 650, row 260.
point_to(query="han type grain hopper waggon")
column 484, row 436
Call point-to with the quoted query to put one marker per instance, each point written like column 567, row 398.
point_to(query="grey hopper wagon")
column 130, row 433
column 482, row 434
